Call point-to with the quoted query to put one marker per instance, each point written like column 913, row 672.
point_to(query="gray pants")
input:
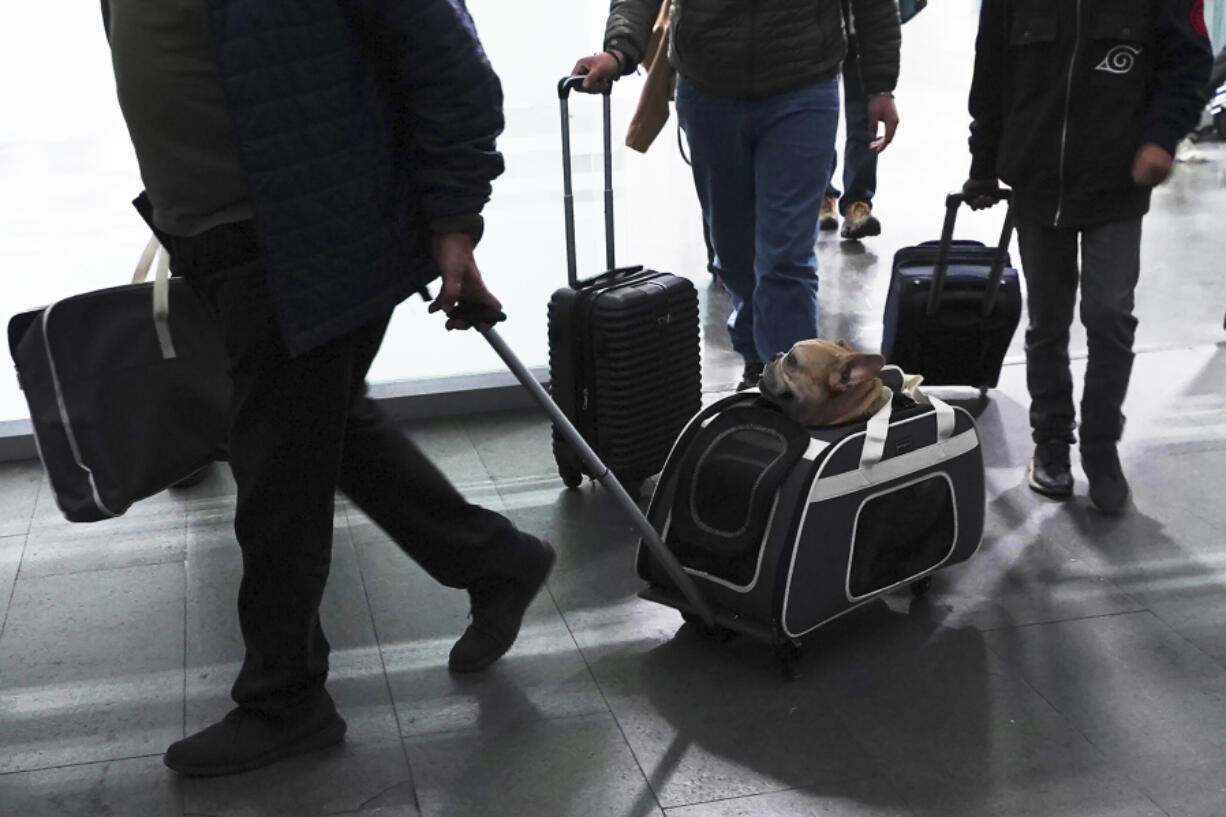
column 1110, row 266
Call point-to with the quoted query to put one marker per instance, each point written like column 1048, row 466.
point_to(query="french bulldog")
column 824, row 383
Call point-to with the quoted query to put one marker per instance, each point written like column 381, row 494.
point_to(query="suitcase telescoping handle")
column 565, row 86
column 483, row 318
column 941, row 269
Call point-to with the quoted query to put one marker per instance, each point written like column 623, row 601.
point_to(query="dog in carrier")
column 834, row 482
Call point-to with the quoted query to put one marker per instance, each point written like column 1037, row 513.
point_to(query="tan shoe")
column 829, row 218
column 859, row 221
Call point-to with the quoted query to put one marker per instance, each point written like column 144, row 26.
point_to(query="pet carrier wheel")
column 571, row 476
column 717, row 633
column 920, row 587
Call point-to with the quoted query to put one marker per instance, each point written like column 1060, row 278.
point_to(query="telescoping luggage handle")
column 484, row 318
column 565, row 86
column 941, row 269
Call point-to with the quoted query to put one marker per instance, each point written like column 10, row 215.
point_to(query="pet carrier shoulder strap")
column 878, row 427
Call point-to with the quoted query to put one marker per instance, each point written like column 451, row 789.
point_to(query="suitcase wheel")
column 789, row 653
column 921, row 586
column 571, row 476
column 718, row 634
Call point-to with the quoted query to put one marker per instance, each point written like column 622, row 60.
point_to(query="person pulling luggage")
column 285, row 204
column 1078, row 106
column 757, row 96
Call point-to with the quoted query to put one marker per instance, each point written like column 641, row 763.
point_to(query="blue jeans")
column 859, row 160
column 760, row 169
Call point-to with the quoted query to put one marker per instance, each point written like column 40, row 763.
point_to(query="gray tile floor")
column 1076, row 666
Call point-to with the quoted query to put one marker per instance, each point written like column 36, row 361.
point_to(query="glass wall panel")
column 69, row 175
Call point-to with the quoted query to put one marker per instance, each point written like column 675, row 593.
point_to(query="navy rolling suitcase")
column 953, row 307
column 624, row 353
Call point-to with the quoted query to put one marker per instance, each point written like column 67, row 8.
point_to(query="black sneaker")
column 247, row 739
column 498, row 606
column 1050, row 473
column 1109, row 490
column 751, row 376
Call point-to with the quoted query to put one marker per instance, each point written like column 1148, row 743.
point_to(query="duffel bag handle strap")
column 146, row 260
column 161, row 291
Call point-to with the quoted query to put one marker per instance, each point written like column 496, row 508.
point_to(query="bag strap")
column 146, row 260
column 875, row 433
column 161, row 291
column 946, row 419
column 878, row 426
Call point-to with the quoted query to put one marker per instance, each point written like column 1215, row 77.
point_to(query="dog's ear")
column 842, row 342
column 855, row 369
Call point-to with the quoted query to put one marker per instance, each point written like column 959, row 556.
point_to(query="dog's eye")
column 790, row 360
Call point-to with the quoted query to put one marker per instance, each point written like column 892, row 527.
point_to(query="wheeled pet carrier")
column 784, row 528
column 773, row 529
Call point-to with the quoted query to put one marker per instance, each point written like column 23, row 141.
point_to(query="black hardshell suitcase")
column 953, row 307
column 624, row 353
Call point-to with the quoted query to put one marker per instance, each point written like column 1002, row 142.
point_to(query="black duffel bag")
column 128, row 388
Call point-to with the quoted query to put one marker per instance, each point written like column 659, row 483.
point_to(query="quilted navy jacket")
column 364, row 127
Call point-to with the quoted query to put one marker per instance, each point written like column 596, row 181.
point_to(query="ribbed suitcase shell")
column 625, row 367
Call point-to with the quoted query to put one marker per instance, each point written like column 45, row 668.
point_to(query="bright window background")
column 67, row 175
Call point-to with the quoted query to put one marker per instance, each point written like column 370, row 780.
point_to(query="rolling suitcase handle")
column 565, row 86
column 483, row 318
column 941, row 269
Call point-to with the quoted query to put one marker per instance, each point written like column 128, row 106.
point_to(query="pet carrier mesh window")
column 902, row 532
column 726, row 489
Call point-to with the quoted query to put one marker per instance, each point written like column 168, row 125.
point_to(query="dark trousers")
column 1110, row 267
column 859, row 159
column 303, row 427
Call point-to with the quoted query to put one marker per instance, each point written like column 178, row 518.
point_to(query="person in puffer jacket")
column 757, row 96
column 308, row 165
column 1078, row 106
